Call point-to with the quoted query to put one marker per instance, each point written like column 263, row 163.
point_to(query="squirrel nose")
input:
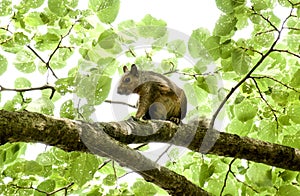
column 121, row 91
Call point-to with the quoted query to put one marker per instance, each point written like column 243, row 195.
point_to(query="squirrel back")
column 160, row 98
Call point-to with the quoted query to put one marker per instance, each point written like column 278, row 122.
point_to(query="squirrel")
column 159, row 97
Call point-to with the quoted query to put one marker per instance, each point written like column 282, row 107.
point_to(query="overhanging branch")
column 89, row 137
column 67, row 134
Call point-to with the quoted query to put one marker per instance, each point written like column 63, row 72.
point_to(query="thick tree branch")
column 68, row 135
column 71, row 135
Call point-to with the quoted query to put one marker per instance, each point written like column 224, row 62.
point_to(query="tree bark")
column 89, row 137
column 110, row 139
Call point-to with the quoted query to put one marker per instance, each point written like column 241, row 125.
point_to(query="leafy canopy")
column 76, row 49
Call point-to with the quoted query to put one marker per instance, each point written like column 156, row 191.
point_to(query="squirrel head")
column 129, row 81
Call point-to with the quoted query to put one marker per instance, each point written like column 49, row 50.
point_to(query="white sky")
column 183, row 16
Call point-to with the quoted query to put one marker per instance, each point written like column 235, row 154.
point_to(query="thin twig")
column 104, row 163
column 275, row 80
column 286, row 51
column 47, row 193
column 120, row 102
column 30, row 89
column 266, row 19
column 265, row 32
column 164, row 152
column 253, row 50
column 266, row 102
column 54, row 51
column 243, row 182
column 36, row 54
column 226, row 176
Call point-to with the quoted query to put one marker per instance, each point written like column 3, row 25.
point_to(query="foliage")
column 73, row 52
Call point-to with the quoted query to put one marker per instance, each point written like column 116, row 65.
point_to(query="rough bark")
column 89, row 137
column 110, row 139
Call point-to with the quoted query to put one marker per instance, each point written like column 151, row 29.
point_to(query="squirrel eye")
column 127, row 80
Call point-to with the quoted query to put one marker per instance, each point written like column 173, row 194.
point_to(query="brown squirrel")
column 160, row 98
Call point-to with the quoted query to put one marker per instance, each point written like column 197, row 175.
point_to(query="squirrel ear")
column 125, row 69
column 134, row 70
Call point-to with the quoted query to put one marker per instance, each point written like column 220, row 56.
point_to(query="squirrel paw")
column 175, row 120
column 137, row 119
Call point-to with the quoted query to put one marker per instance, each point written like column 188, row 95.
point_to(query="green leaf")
column 212, row 44
column 33, row 4
column 3, row 64
column 286, row 3
column 260, row 175
column 46, row 186
column 293, row 111
column 264, row 39
column 32, row 168
column 46, row 158
column 203, row 175
column 60, row 58
column 292, row 140
column 42, row 105
column 239, row 128
column 225, row 25
column 109, row 180
column 262, row 5
column 279, row 96
column 150, row 27
column 47, row 41
column 196, row 43
column 240, row 61
column 208, row 83
column 228, row 6
column 295, row 82
column 288, row 176
column 226, row 49
column 21, row 39
column 102, row 89
column 34, row 19
column 195, row 94
column 14, row 104
column 67, row 110
column 83, row 167
column 246, row 110
column 127, row 31
column 160, row 43
column 143, row 188
column 108, row 39
column 288, row 190
column 10, row 152
column 61, row 7
column 267, row 131
column 107, row 66
column 25, row 62
column 5, row 7
column 177, row 47
column 107, row 10
column 22, row 82
column 64, row 85
column 284, row 120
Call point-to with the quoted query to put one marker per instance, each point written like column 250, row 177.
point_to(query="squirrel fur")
column 159, row 97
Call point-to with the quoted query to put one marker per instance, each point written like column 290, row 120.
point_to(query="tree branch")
column 119, row 102
column 286, row 51
column 266, row 102
column 69, row 136
column 30, row 89
column 90, row 137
